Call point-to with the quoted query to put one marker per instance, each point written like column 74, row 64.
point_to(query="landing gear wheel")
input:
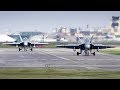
column 94, row 54
column 31, row 49
column 19, row 49
column 77, row 53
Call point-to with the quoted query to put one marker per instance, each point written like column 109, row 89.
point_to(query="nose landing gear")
column 78, row 53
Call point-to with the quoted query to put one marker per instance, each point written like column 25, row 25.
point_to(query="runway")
column 57, row 57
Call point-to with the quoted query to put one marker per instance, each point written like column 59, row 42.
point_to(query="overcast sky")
column 44, row 21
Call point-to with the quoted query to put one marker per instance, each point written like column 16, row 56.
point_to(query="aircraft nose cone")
column 25, row 43
column 87, row 46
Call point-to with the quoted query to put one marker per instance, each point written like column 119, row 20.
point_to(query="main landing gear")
column 31, row 49
column 78, row 53
column 86, row 53
column 20, row 49
column 94, row 54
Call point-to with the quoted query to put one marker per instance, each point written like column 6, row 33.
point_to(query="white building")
column 5, row 38
column 39, row 38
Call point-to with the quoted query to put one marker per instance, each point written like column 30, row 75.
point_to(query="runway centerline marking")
column 43, row 59
column 60, row 57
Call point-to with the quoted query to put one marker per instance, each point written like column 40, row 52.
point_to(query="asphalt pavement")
column 57, row 57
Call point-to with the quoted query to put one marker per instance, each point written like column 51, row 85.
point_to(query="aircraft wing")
column 34, row 44
column 22, row 44
column 77, row 46
column 100, row 46
column 13, row 44
column 72, row 46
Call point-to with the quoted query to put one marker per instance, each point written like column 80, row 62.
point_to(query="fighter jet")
column 86, row 46
column 25, row 44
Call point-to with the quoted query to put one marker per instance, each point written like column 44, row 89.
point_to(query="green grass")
column 50, row 45
column 108, row 43
column 111, row 51
column 56, row 73
column 6, row 46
